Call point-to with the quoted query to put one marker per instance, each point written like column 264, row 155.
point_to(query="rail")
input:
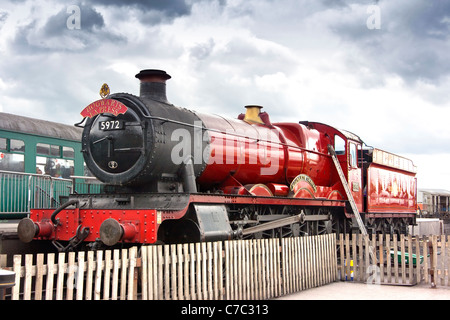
column 86, row 184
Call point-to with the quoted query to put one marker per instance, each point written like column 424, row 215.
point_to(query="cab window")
column 353, row 156
column 339, row 145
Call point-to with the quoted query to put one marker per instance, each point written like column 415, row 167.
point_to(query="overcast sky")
column 380, row 69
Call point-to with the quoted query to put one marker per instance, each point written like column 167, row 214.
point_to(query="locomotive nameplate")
column 302, row 177
column 104, row 106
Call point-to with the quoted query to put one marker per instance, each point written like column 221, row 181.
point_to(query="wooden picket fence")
column 238, row 269
column 429, row 263
column 84, row 276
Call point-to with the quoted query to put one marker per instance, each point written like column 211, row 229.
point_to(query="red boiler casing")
column 264, row 153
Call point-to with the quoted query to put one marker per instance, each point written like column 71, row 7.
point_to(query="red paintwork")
column 45, row 228
column 219, row 199
column 253, row 153
column 104, row 105
column 278, row 190
column 144, row 223
column 141, row 226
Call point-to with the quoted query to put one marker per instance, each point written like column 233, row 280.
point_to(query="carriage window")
column 339, row 145
column 50, row 160
column 3, row 144
column 42, row 148
column 12, row 145
column 16, row 145
column 54, row 151
column 68, row 152
column 48, row 150
column 12, row 162
column 58, row 168
column 11, row 156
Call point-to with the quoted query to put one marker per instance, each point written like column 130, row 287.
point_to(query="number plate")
column 110, row 125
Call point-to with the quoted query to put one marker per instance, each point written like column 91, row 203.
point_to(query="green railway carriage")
column 31, row 145
column 37, row 159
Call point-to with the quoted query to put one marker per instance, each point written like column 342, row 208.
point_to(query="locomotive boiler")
column 177, row 175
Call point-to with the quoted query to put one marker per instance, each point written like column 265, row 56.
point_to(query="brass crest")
column 104, row 91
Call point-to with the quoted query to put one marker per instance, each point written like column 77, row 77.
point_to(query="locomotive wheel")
column 317, row 227
column 291, row 230
column 341, row 224
column 312, row 228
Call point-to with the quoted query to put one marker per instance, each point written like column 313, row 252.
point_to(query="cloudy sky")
column 380, row 69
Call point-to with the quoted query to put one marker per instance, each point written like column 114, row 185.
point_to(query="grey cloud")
column 55, row 36
column 246, row 55
column 153, row 11
column 173, row 7
column 412, row 42
column 429, row 19
column 3, row 18
column 335, row 3
column 202, row 50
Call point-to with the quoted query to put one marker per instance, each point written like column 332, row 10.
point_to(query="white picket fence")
column 238, row 269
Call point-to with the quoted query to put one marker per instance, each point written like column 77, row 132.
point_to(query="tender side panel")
column 390, row 190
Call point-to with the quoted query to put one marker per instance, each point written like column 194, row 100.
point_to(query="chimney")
column 153, row 84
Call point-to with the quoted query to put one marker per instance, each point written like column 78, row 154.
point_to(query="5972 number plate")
column 110, row 125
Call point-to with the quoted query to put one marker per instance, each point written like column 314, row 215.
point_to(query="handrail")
column 83, row 177
column 34, row 175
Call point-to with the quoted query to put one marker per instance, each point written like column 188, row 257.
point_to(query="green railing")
column 19, row 192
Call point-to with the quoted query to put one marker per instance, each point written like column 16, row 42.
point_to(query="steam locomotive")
column 174, row 175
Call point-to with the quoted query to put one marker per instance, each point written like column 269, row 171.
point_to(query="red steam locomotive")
column 175, row 175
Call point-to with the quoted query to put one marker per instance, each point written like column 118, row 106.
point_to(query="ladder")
column 355, row 210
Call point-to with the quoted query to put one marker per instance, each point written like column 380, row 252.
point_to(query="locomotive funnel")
column 153, row 84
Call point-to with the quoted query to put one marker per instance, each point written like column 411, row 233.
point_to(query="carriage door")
column 354, row 173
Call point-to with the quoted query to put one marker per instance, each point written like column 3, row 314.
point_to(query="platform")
column 361, row 291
